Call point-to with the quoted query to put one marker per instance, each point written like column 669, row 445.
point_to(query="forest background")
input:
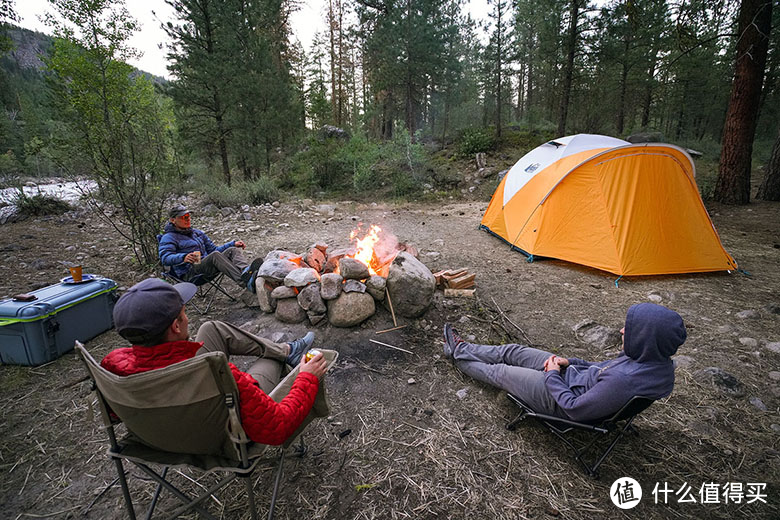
column 390, row 100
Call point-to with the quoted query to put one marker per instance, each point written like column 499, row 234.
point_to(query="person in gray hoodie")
column 573, row 388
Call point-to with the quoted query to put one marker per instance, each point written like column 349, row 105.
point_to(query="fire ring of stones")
column 335, row 286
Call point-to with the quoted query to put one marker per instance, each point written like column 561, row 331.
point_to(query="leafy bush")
column 262, row 190
column 40, row 204
column 475, row 140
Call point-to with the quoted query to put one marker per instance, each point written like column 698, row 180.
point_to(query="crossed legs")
column 231, row 262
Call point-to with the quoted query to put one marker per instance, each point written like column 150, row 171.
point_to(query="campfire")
column 345, row 285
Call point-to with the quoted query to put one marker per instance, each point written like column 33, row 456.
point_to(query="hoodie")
column 176, row 243
column 589, row 391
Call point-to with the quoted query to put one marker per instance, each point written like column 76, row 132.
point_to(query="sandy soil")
column 400, row 449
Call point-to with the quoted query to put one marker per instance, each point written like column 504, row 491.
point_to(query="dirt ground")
column 401, row 442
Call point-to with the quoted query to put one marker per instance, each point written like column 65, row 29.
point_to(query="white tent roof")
column 544, row 155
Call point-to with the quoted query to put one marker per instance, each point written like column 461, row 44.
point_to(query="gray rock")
column 723, row 329
column 310, row 300
column 774, row 375
column 588, row 331
column 775, row 427
column 328, row 209
column 352, row 269
column 276, row 270
column 289, row 311
column 315, row 318
column 722, row 380
column 411, row 286
column 655, row 298
column 283, row 293
column 264, row 299
column 354, row 286
column 502, row 173
column 682, row 361
column 462, row 393
column 758, row 403
column 350, row 309
column 40, row 264
column 276, row 337
column 246, row 216
column 301, row 277
column 749, row 342
column 315, row 259
column 322, row 247
column 280, row 254
column 772, row 308
column 226, row 212
column 9, row 214
column 748, row 314
column 209, row 209
column 334, row 256
column 332, row 132
column 330, row 286
column 375, row 286
column 774, row 347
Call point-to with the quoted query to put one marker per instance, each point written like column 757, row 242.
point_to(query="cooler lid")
column 52, row 299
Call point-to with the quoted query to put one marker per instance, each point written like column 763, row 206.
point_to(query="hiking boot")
column 298, row 348
column 451, row 340
column 249, row 274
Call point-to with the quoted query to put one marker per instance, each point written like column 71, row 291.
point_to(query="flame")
column 365, row 246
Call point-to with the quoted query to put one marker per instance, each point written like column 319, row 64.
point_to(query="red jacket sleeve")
column 266, row 421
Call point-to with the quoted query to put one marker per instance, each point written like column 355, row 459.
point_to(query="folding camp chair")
column 185, row 414
column 207, row 287
column 601, row 429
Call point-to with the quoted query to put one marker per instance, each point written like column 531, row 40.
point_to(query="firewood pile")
column 456, row 282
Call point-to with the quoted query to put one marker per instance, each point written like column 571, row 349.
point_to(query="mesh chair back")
column 178, row 409
column 635, row 406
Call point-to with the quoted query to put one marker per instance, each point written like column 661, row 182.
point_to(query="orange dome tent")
column 630, row 209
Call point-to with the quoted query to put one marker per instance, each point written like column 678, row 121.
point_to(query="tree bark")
column 733, row 184
column 569, row 70
column 770, row 187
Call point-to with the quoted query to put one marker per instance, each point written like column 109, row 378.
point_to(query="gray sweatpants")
column 268, row 369
column 518, row 369
column 231, row 261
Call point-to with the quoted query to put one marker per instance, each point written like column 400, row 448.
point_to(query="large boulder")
column 376, row 287
column 354, row 286
column 352, row 269
column 334, row 256
column 310, row 300
column 301, row 277
column 410, row 285
column 350, row 309
column 264, row 299
column 315, row 258
column 283, row 292
column 588, row 331
column 330, row 286
column 289, row 311
column 275, row 271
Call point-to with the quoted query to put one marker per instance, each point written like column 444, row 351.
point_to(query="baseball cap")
column 149, row 307
column 178, row 210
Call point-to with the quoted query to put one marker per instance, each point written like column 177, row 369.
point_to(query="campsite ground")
column 401, row 442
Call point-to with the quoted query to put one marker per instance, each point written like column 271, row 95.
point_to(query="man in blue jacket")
column 190, row 252
column 573, row 388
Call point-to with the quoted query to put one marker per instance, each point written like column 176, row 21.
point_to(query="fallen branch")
column 503, row 315
column 391, row 346
column 390, row 302
column 390, row 330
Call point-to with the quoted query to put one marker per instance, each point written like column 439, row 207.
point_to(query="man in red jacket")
column 151, row 315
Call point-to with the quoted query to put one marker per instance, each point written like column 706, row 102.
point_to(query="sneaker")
column 451, row 340
column 249, row 274
column 298, row 348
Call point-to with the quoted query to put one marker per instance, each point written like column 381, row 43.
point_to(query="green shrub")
column 475, row 140
column 40, row 204
column 262, row 190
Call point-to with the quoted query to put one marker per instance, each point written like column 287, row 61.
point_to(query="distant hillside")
column 29, row 47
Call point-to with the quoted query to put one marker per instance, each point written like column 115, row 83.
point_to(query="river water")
column 68, row 191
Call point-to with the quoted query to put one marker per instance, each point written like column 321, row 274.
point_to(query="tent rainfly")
column 629, row 209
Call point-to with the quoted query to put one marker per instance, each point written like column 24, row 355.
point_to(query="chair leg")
column 276, row 487
column 250, row 494
column 619, row 435
column 156, row 496
column 188, row 503
column 125, row 490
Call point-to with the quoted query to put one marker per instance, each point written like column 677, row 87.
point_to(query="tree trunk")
column 621, row 115
column 733, row 184
column 499, row 65
column 333, row 61
column 569, row 70
column 770, row 187
column 223, row 153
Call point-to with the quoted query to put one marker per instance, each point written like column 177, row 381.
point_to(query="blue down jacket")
column 175, row 244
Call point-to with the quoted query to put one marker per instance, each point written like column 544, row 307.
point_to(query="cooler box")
column 36, row 332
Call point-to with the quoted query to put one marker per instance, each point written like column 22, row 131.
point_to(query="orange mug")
column 75, row 273
column 197, row 254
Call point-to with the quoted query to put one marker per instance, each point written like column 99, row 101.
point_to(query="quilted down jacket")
column 264, row 420
column 175, row 244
